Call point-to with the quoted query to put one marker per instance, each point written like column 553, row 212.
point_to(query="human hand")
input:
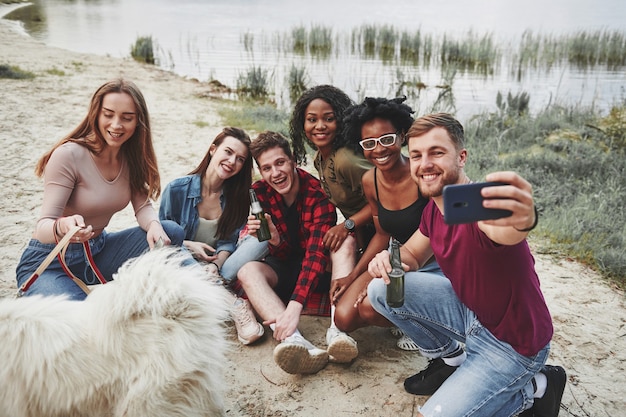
column 338, row 287
column 361, row 296
column 335, row 237
column 155, row 233
column 254, row 224
column 286, row 323
column 516, row 196
column 200, row 250
column 380, row 265
column 65, row 224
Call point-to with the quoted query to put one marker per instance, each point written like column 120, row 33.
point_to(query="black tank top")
column 400, row 224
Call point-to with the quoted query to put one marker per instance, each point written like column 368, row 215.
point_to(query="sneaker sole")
column 342, row 351
column 253, row 338
column 296, row 359
column 405, row 343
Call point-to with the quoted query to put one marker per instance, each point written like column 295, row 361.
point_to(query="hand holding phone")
column 463, row 203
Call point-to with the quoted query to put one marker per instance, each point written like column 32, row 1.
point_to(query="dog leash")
column 59, row 252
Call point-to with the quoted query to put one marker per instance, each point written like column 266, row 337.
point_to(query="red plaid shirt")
column 317, row 216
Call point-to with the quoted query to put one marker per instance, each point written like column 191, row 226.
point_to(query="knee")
column 377, row 293
column 246, row 273
column 367, row 313
column 343, row 318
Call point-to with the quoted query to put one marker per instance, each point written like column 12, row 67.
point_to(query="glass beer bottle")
column 263, row 233
column 395, row 289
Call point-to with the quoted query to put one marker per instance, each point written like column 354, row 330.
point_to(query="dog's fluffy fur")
column 150, row 343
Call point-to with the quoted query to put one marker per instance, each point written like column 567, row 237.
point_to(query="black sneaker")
column 430, row 379
column 550, row 404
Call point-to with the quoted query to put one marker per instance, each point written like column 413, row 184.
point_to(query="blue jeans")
column 494, row 380
column 248, row 249
column 110, row 251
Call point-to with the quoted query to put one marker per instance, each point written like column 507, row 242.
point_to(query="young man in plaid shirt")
column 294, row 274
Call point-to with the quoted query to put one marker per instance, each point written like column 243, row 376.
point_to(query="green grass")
column 55, row 71
column 252, row 116
column 297, row 80
column 143, row 50
column 472, row 52
column 581, row 49
column 14, row 72
column 201, row 123
column 254, row 83
column 575, row 159
column 476, row 54
column 320, row 41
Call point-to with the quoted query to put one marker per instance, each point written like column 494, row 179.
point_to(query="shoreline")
column 589, row 316
column 6, row 8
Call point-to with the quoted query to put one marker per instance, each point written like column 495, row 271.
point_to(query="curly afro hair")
column 399, row 114
column 337, row 99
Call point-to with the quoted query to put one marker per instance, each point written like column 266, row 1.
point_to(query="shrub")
column 577, row 178
column 143, row 50
column 15, row 73
column 297, row 80
column 253, row 84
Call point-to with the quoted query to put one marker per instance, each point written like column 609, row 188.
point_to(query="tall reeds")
column 581, row 49
column 316, row 41
column 254, row 83
column 143, row 50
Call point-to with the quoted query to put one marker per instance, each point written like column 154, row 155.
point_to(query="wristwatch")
column 349, row 225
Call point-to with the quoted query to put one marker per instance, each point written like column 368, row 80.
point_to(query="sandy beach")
column 589, row 315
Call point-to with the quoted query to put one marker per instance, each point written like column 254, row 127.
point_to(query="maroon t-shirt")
column 497, row 282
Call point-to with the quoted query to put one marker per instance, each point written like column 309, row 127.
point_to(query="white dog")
column 150, row 343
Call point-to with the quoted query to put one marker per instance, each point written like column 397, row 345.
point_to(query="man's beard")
column 446, row 179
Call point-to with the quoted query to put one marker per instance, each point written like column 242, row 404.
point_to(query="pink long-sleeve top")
column 73, row 184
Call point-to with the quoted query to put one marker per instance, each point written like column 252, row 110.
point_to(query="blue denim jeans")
column 110, row 251
column 494, row 380
column 248, row 249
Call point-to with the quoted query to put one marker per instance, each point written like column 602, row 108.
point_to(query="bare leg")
column 341, row 347
column 343, row 261
column 258, row 280
column 295, row 354
column 349, row 318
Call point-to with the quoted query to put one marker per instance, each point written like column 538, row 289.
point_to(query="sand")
column 589, row 315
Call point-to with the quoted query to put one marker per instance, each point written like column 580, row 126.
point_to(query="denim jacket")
column 179, row 203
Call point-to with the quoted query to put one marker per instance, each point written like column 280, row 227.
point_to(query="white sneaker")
column 341, row 347
column 296, row 355
column 406, row 343
column 248, row 329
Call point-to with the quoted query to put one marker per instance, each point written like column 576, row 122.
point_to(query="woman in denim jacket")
column 212, row 204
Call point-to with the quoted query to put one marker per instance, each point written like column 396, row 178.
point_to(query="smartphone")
column 462, row 203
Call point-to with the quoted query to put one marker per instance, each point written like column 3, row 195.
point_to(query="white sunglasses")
column 387, row 140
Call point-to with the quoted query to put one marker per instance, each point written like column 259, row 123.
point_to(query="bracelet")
column 216, row 265
column 528, row 229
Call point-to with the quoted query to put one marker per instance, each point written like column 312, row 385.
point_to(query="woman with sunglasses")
column 377, row 128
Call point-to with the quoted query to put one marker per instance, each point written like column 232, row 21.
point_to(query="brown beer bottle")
column 395, row 289
column 255, row 207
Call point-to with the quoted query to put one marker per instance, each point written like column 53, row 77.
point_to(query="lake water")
column 222, row 39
